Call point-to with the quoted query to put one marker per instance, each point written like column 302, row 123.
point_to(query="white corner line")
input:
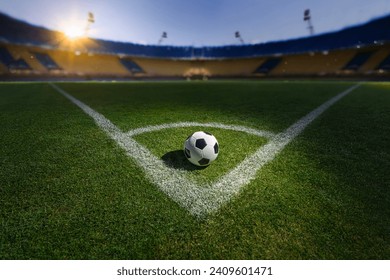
column 151, row 128
column 201, row 201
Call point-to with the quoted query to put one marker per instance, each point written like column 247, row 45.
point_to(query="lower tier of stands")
column 27, row 60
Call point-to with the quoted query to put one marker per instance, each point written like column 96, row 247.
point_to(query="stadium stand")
column 378, row 55
column 3, row 69
column 268, row 65
column 46, row 61
column 357, row 61
column 5, row 56
column 232, row 67
column 88, row 64
column 358, row 50
column 14, row 65
column 321, row 64
column 385, row 64
column 24, row 53
column 131, row 65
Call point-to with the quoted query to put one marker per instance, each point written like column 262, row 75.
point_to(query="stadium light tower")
column 307, row 17
column 90, row 21
column 238, row 36
column 164, row 35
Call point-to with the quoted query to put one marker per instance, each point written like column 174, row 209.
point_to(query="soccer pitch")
column 96, row 170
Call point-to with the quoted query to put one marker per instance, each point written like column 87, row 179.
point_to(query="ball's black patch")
column 204, row 161
column 187, row 153
column 216, row 148
column 200, row 144
column 208, row 133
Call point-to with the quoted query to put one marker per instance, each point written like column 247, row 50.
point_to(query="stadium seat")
column 3, row 68
column 314, row 64
column 12, row 64
column 5, row 56
column 46, row 61
column 88, row 64
column 232, row 67
column 131, row 65
column 384, row 65
column 357, row 61
column 267, row 66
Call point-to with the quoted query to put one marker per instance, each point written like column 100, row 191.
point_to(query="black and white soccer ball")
column 201, row 148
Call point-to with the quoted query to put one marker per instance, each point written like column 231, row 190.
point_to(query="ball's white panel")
column 205, row 149
column 196, row 154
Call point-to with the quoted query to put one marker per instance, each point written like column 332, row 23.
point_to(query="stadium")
column 360, row 51
column 92, row 134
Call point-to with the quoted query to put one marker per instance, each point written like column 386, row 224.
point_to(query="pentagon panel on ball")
column 201, row 148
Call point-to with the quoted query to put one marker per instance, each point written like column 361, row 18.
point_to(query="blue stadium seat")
column 131, row 65
column 267, row 66
column 46, row 61
column 5, row 57
column 12, row 64
column 19, row 64
column 357, row 61
column 385, row 64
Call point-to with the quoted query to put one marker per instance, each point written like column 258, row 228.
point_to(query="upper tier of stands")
column 373, row 33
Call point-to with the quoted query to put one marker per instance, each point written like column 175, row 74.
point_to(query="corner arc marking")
column 204, row 200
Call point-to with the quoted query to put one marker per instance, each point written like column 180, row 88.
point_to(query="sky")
column 196, row 22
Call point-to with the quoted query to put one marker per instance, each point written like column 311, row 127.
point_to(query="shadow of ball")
column 176, row 159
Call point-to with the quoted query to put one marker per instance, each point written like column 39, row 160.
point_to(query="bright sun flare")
column 73, row 31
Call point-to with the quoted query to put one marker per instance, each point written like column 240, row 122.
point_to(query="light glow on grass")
column 68, row 191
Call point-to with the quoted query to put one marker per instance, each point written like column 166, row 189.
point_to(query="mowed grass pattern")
column 69, row 192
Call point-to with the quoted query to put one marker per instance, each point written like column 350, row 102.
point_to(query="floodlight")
column 307, row 17
column 238, row 36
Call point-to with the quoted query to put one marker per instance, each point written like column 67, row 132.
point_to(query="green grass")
column 67, row 191
column 168, row 145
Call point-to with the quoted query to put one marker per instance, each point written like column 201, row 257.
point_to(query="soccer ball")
column 201, row 148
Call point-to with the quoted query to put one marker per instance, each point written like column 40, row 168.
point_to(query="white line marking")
column 100, row 120
column 260, row 133
column 202, row 200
